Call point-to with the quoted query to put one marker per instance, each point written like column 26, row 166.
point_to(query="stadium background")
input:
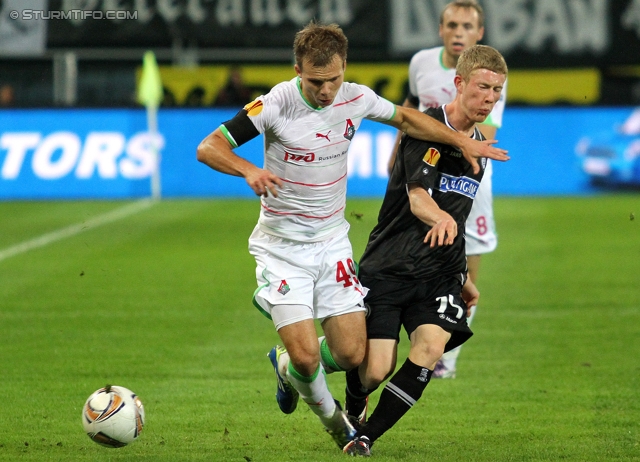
column 74, row 129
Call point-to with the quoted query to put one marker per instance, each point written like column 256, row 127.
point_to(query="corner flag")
column 150, row 86
column 150, row 95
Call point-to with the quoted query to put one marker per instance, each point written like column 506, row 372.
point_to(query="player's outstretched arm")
column 423, row 127
column 216, row 152
column 443, row 227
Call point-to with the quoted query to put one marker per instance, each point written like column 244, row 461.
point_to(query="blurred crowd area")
column 113, row 83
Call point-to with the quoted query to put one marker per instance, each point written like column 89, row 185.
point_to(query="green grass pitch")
column 160, row 302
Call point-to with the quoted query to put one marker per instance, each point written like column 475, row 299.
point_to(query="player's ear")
column 297, row 69
column 458, row 81
column 480, row 33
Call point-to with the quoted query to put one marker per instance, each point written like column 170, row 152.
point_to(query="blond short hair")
column 480, row 57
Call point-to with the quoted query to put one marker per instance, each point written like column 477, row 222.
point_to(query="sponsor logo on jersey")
column 350, row 130
column 254, row 108
column 431, row 157
column 320, row 135
column 288, row 157
column 284, row 287
column 455, row 153
column 462, row 185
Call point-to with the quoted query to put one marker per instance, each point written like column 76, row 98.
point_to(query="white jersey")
column 307, row 148
column 432, row 83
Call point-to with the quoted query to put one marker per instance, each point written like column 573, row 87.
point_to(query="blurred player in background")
column 431, row 74
column 305, row 268
column 422, row 283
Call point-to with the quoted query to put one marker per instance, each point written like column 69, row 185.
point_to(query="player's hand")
column 473, row 149
column 470, row 295
column 263, row 182
column 442, row 233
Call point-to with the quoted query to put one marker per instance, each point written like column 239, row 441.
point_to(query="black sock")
column 356, row 393
column 397, row 397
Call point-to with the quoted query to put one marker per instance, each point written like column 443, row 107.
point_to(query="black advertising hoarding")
column 530, row 33
column 255, row 24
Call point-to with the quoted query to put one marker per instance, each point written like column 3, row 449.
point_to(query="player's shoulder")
column 352, row 88
column 427, row 55
column 436, row 112
column 283, row 90
column 357, row 93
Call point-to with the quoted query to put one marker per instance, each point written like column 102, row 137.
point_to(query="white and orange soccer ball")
column 113, row 416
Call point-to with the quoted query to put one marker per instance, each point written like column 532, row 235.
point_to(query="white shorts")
column 480, row 228
column 318, row 275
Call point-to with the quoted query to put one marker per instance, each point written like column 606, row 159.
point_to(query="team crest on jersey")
column 431, row 157
column 284, row 287
column 350, row 130
column 254, row 108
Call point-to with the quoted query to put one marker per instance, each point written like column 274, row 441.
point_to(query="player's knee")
column 427, row 353
column 350, row 357
column 304, row 362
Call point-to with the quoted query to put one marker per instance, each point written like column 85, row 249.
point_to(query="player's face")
column 459, row 30
column 320, row 85
column 480, row 93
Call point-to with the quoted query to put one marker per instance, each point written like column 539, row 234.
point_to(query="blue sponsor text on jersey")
column 462, row 185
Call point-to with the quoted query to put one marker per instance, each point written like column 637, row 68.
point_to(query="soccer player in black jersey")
column 414, row 263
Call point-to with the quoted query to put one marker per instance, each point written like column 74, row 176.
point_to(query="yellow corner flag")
column 150, row 85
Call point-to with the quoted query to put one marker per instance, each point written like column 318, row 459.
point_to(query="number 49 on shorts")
column 347, row 273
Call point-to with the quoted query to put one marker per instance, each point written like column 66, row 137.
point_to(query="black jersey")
column 396, row 249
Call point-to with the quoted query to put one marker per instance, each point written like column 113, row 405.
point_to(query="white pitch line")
column 72, row 230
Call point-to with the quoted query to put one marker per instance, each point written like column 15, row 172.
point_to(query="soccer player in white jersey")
column 305, row 268
column 431, row 76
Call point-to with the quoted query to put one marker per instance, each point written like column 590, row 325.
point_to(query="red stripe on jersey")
column 301, row 214
column 350, row 101
column 314, row 185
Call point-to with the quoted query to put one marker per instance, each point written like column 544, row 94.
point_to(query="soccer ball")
column 113, row 416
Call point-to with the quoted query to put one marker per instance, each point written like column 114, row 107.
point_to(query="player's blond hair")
column 465, row 4
column 480, row 57
column 319, row 43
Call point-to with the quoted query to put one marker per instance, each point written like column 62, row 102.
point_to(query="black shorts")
column 392, row 304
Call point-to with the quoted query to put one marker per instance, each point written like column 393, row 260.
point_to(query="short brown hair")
column 319, row 43
column 480, row 57
column 465, row 4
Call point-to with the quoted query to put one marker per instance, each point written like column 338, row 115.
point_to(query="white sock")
column 283, row 365
column 450, row 357
column 314, row 391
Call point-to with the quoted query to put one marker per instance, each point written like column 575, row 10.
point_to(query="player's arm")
column 470, row 294
column 443, row 227
column 216, row 151
column 421, row 126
